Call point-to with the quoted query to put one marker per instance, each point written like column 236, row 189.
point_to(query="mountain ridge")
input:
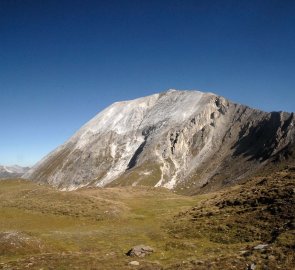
column 183, row 140
column 12, row 171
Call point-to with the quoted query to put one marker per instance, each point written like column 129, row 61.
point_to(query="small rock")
column 134, row 263
column 260, row 246
column 140, row 251
column 251, row 266
column 244, row 252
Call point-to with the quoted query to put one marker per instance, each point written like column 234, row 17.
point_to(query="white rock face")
column 173, row 139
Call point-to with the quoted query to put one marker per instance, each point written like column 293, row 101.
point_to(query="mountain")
column 189, row 141
column 12, row 171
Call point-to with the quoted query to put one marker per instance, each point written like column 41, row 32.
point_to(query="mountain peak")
column 175, row 139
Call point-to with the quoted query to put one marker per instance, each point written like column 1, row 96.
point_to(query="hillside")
column 260, row 211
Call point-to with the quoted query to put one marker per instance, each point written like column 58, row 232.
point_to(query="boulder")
column 140, row 251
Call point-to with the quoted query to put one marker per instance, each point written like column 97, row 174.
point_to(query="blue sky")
column 61, row 62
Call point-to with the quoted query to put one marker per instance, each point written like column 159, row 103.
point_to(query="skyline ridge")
column 63, row 61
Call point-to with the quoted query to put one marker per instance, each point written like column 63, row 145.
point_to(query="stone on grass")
column 251, row 266
column 134, row 263
column 140, row 251
column 260, row 246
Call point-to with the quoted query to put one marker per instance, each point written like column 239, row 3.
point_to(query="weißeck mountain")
column 184, row 140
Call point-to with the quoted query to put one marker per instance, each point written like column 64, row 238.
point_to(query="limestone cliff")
column 186, row 140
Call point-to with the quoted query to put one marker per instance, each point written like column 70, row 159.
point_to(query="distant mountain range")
column 12, row 171
column 184, row 140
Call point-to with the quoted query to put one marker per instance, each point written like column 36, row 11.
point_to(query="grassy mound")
column 259, row 211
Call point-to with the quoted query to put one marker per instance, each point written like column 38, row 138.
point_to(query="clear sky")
column 61, row 62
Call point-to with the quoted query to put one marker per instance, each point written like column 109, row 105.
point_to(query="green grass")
column 93, row 228
column 89, row 222
column 144, row 175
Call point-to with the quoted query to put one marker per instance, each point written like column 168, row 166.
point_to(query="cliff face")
column 185, row 140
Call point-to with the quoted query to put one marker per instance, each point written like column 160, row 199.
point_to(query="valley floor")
column 43, row 228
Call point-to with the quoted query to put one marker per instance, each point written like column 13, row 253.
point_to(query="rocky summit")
column 188, row 141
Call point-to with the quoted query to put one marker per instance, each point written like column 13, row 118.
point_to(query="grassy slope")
column 260, row 211
column 94, row 228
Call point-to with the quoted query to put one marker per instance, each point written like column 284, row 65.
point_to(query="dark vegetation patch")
column 260, row 211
